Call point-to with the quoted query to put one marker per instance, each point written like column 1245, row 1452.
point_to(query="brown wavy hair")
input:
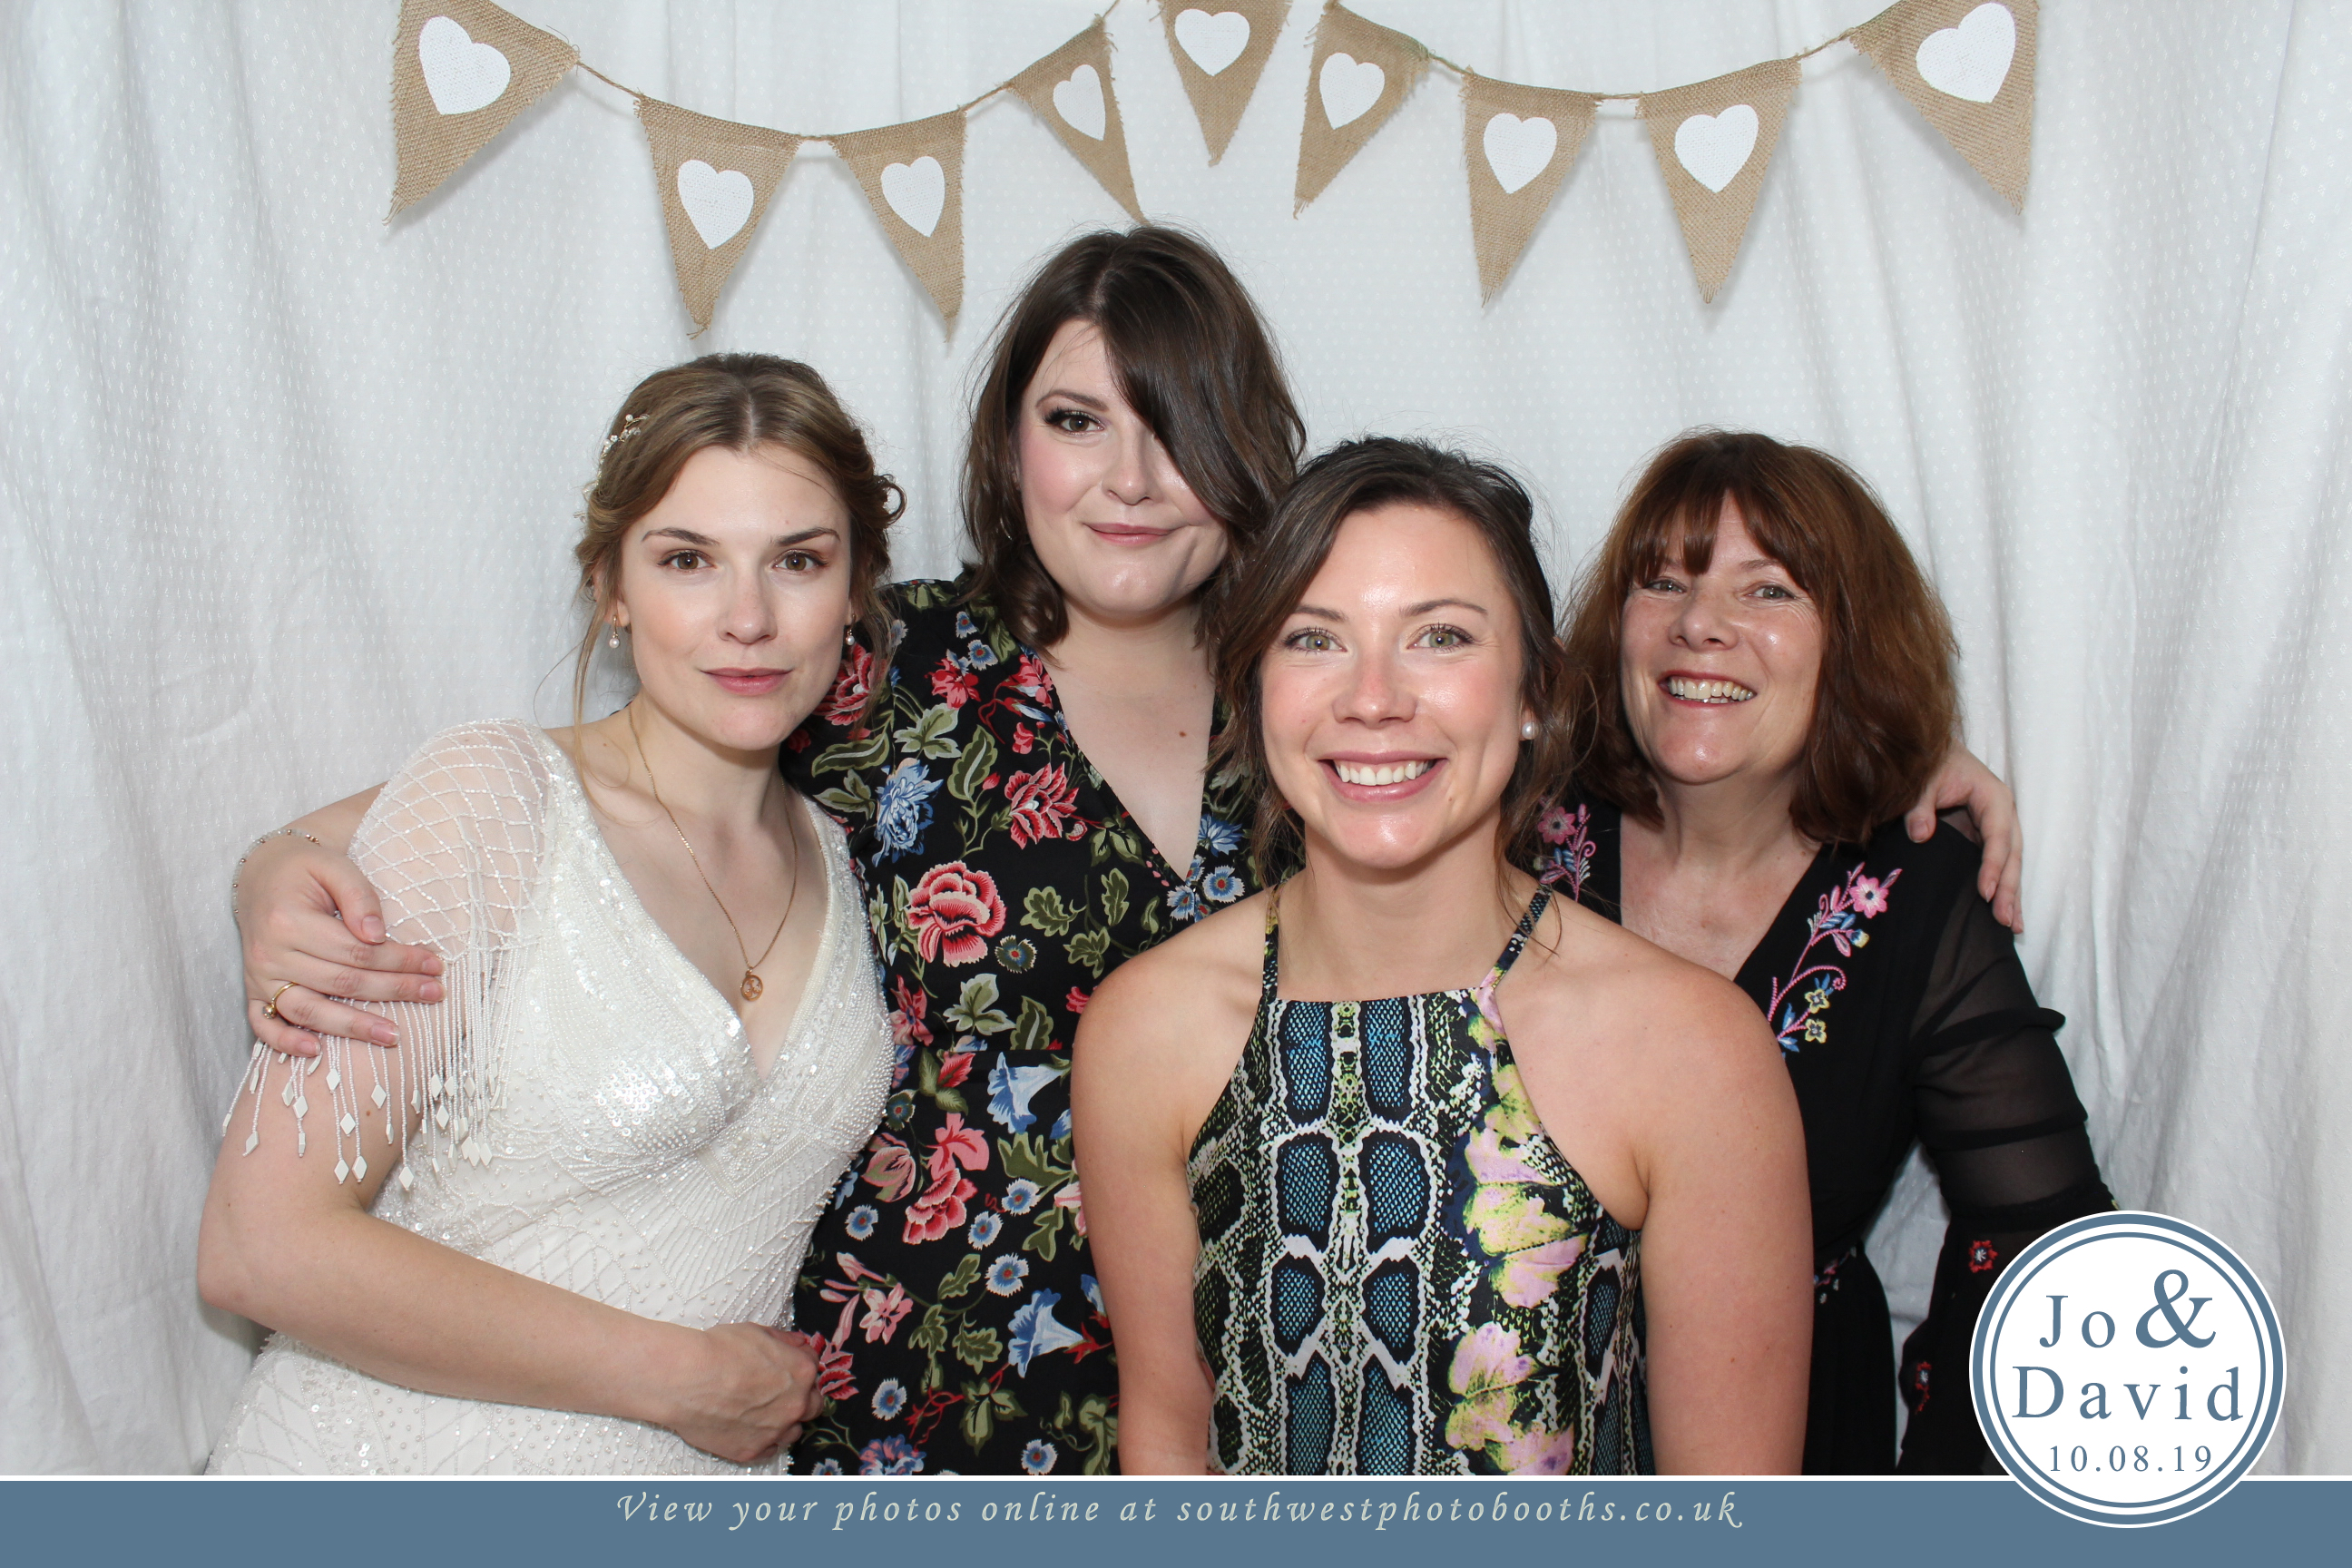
column 1885, row 705
column 741, row 402
column 1193, row 358
column 1355, row 477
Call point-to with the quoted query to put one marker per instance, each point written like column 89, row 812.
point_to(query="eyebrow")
column 1321, row 612
column 687, row 536
column 1065, row 394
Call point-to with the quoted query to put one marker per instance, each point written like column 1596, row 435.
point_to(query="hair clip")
column 630, row 424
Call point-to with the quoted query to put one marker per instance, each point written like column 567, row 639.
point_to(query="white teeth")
column 1691, row 690
column 1383, row 774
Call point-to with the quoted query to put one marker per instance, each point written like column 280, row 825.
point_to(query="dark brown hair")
column 1884, row 706
column 741, row 402
column 1193, row 358
column 1355, row 477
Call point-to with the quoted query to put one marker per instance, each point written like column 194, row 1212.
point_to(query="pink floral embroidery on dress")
column 1798, row 1003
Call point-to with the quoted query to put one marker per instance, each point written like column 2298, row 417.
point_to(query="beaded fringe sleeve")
column 452, row 845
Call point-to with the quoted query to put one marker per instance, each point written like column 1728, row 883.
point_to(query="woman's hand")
column 304, row 915
column 749, row 1392
column 1963, row 781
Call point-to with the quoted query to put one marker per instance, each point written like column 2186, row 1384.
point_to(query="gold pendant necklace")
column 751, row 986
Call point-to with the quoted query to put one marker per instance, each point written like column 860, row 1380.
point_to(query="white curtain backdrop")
column 283, row 488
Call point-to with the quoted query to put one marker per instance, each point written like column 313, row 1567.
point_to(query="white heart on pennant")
column 462, row 75
column 718, row 200
column 1518, row 149
column 1349, row 86
column 1715, row 147
column 1214, row 42
column 1079, row 100
column 1972, row 60
column 916, row 192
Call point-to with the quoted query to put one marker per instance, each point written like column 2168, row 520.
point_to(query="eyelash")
column 1297, row 640
column 1061, row 419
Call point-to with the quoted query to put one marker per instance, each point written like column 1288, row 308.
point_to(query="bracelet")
column 239, row 872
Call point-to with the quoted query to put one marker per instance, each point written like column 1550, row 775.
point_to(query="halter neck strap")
column 1272, row 970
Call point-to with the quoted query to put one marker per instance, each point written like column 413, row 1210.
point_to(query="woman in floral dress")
column 1028, row 802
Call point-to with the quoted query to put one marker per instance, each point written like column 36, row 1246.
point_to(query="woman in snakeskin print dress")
column 1549, row 1221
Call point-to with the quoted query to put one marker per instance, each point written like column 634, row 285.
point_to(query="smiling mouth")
column 1372, row 774
column 1715, row 692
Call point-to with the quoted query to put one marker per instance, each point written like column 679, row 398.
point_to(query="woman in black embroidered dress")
column 1770, row 680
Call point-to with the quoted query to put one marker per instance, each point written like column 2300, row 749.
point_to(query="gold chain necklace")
column 751, row 987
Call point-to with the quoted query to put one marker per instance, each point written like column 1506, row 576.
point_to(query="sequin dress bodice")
column 591, row 1115
column 1398, row 1273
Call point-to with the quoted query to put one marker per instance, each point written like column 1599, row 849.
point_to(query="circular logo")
column 2127, row 1369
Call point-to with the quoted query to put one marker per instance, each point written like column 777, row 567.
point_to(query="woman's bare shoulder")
column 1204, row 976
column 1220, row 952
column 1683, row 1016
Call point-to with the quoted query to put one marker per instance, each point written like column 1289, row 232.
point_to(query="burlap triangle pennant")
column 1714, row 139
column 1359, row 73
column 1969, row 68
column 913, row 175
column 461, row 70
column 714, row 177
column 1221, row 48
column 1519, row 143
column 1070, row 90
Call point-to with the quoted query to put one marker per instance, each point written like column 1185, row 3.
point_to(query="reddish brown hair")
column 1193, row 358
column 1355, row 477
column 1885, row 705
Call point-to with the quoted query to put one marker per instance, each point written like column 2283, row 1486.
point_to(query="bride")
column 550, row 1231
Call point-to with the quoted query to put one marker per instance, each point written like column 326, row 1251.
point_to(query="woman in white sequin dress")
column 555, row 1231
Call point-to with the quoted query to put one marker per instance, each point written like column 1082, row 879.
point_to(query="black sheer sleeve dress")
column 1904, row 1015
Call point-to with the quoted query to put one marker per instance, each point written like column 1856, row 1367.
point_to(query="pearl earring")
column 614, row 641
column 1527, row 730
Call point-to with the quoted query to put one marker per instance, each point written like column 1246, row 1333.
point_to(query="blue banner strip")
column 1119, row 1523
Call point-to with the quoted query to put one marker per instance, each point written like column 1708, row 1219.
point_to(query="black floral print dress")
column 1903, row 1016
column 948, row 1285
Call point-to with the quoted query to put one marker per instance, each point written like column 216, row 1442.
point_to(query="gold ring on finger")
column 269, row 1008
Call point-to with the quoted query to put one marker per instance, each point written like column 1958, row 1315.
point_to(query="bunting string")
column 464, row 69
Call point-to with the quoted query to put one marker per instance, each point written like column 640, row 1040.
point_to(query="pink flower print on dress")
column 846, row 701
column 954, row 911
column 958, row 1145
column 939, row 1210
column 1042, row 802
column 885, row 1310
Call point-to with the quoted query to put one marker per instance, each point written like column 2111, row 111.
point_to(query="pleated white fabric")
column 286, row 489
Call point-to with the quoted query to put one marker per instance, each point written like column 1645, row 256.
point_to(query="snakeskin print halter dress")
column 1398, row 1273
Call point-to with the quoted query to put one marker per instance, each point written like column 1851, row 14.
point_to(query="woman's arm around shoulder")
column 288, row 1237
column 1159, row 1038
column 1690, row 1086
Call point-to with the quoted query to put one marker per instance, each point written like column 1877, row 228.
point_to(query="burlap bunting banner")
column 913, row 176
column 1358, row 75
column 1968, row 68
column 1714, row 139
column 1221, row 48
column 461, row 71
column 1519, row 143
column 714, row 177
column 1071, row 91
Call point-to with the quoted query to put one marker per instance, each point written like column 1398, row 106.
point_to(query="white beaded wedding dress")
column 587, row 1109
